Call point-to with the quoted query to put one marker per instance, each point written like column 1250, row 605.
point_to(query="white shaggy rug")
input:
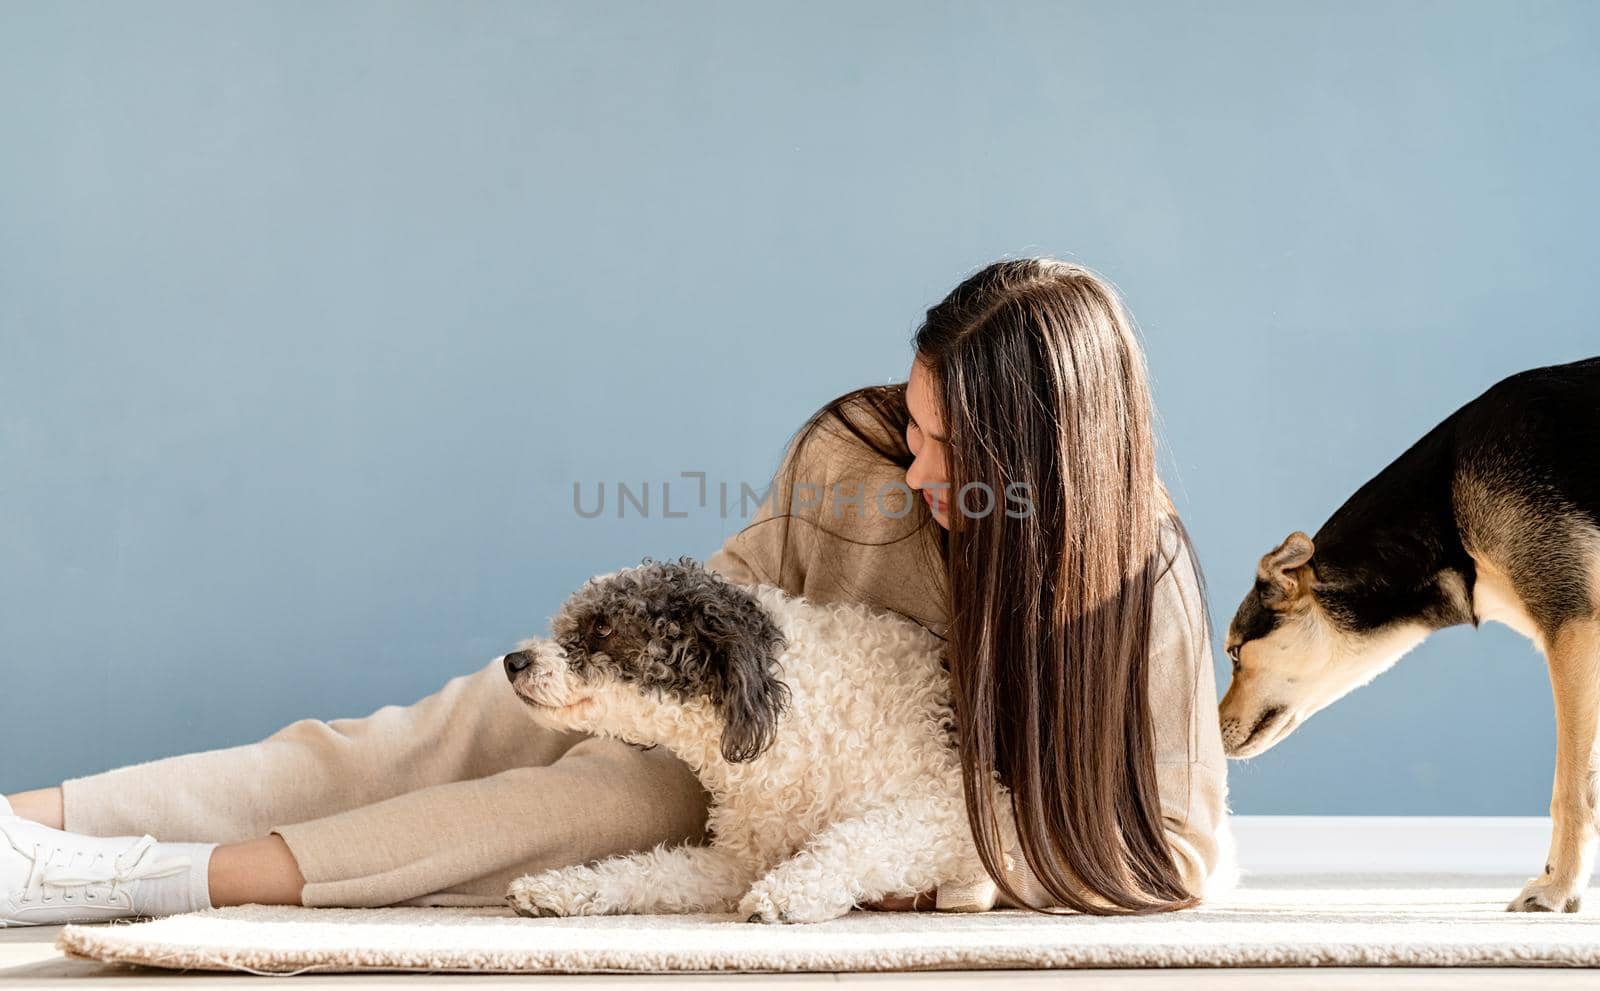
column 1440, row 921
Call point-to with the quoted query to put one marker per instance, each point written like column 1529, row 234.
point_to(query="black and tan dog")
column 1494, row 515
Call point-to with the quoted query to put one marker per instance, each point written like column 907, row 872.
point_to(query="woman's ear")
column 740, row 645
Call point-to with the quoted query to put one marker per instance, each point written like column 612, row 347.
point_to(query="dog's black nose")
column 518, row 662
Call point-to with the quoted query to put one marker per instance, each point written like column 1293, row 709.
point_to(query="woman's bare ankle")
column 255, row 872
column 43, row 806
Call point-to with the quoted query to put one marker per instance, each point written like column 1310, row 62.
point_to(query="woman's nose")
column 914, row 474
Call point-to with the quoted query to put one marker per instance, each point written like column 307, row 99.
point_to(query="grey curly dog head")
column 668, row 629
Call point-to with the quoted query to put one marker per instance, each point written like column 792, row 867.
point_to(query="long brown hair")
column 1041, row 381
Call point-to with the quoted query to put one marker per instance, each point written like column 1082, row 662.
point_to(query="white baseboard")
column 1391, row 844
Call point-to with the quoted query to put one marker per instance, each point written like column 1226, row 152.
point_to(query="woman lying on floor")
column 1044, row 549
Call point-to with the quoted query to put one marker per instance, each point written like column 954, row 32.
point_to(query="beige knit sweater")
column 845, row 542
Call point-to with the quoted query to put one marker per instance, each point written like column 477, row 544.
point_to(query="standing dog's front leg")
column 1574, row 658
column 662, row 881
column 903, row 849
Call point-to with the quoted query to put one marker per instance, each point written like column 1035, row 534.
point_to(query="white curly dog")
column 823, row 734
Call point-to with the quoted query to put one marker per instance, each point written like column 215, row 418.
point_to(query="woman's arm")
column 1191, row 768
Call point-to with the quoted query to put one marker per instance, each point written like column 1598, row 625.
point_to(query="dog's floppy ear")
column 755, row 698
column 1285, row 572
column 740, row 645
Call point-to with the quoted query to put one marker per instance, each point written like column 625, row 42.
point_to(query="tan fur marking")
column 1495, row 600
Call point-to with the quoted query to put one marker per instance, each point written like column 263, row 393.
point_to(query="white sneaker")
column 48, row 877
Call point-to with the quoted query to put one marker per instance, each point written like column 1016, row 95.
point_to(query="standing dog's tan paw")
column 1543, row 894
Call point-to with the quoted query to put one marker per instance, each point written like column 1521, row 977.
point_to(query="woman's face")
column 926, row 438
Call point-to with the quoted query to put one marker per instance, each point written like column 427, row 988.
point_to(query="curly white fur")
column 859, row 796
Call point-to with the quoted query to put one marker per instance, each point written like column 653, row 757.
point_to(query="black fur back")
column 1527, row 446
column 1539, row 430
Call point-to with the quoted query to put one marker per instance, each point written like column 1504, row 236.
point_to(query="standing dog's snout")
column 518, row 662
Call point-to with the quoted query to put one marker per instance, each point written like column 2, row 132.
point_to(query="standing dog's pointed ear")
column 739, row 644
column 1285, row 572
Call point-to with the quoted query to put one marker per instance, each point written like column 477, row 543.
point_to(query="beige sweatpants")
column 443, row 802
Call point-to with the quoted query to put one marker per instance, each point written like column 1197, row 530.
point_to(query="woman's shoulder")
column 836, row 473
column 838, row 522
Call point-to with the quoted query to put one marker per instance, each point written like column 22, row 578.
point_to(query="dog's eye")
column 603, row 630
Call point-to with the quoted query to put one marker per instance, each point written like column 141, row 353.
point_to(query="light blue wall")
column 310, row 313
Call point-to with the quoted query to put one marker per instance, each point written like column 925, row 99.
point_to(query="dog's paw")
column 770, row 904
column 554, row 894
column 759, row 906
column 1544, row 894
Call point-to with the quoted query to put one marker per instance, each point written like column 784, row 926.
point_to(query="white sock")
column 188, row 891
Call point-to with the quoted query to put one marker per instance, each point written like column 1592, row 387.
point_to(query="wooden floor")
column 28, row 958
